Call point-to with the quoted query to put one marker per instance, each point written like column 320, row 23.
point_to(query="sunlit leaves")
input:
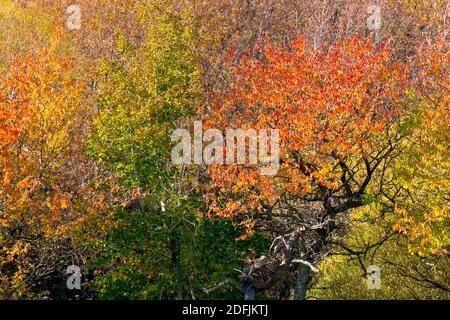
column 40, row 115
column 332, row 109
column 422, row 172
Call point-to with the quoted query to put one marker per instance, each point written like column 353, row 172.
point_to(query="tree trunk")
column 249, row 291
column 175, row 257
column 303, row 279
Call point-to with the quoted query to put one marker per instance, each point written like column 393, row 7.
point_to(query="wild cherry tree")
column 336, row 111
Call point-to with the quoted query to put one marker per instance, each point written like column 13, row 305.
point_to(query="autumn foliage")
column 329, row 106
column 39, row 105
column 87, row 180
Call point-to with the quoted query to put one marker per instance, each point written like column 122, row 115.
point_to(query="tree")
column 147, row 91
column 86, row 176
column 336, row 112
column 40, row 118
column 417, row 187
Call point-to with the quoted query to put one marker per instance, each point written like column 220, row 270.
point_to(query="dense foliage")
column 91, row 94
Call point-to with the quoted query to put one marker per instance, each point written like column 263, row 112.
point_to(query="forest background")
column 91, row 91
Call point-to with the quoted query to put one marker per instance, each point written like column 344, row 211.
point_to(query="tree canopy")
column 347, row 102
